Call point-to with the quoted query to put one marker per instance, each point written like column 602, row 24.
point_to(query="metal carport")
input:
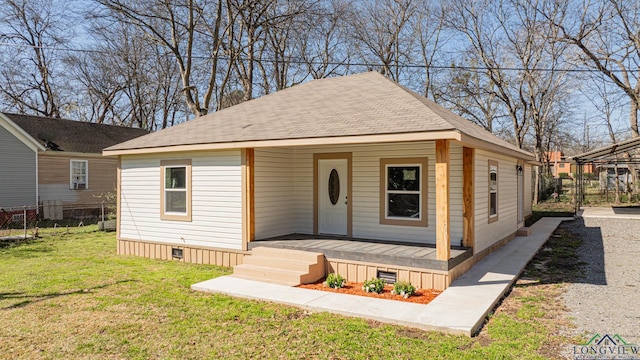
column 602, row 156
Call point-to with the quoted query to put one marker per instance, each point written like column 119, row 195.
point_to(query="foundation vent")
column 176, row 253
column 388, row 276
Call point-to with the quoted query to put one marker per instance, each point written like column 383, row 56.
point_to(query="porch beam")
column 443, row 235
column 248, row 197
column 468, row 213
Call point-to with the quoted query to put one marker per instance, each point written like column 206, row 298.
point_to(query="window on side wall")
column 493, row 191
column 78, row 175
column 175, row 203
column 403, row 191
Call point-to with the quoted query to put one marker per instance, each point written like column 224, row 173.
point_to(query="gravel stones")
column 606, row 300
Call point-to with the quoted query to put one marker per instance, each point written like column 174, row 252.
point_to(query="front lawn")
column 70, row 296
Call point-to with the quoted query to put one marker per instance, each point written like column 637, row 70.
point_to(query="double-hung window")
column 78, row 174
column 176, row 190
column 403, row 191
column 493, row 191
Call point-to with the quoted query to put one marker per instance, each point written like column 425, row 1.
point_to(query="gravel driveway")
column 607, row 299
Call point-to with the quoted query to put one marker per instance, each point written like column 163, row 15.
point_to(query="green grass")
column 550, row 209
column 71, row 296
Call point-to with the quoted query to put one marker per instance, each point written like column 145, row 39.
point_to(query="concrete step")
column 282, row 266
column 523, row 231
column 269, row 274
column 279, row 263
column 287, row 254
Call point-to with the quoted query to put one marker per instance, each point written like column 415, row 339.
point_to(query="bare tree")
column 261, row 37
column 323, row 47
column 102, row 88
column 471, row 94
column 474, row 20
column 607, row 36
column 511, row 41
column 29, row 69
column 190, row 30
column 606, row 101
column 427, row 26
column 126, row 79
column 381, row 34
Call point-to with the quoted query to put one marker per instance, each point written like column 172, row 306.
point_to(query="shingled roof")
column 347, row 109
column 73, row 136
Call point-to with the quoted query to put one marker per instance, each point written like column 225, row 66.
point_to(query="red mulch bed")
column 421, row 296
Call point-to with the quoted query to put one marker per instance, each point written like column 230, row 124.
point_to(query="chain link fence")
column 29, row 221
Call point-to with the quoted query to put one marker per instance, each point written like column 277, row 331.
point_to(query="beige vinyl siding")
column 273, row 189
column 487, row 233
column 528, row 190
column 54, row 175
column 216, row 200
column 17, row 172
column 366, row 190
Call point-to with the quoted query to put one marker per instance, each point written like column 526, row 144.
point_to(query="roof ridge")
column 9, row 115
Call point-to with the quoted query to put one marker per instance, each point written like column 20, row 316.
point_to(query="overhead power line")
column 339, row 63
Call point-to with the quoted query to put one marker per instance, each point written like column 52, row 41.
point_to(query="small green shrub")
column 335, row 281
column 374, row 285
column 404, row 289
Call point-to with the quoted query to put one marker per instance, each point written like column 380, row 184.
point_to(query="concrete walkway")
column 610, row 212
column 460, row 309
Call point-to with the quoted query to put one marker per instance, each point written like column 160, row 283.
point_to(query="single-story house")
column 355, row 159
column 47, row 160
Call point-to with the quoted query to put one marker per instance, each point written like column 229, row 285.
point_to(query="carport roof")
column 606, row 151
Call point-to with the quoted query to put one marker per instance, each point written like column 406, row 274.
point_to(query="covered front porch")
column 336, row 201
column 359, row 259
column 389, row 253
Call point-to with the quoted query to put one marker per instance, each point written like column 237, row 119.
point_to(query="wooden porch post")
column 468, row 212
column 118, row 195
column 248, row 198
column 443, row 236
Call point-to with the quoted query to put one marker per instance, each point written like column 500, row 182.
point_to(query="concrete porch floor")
column 421, row 256
column 461, row 309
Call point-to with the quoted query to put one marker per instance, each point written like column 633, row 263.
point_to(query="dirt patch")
column 422, row 296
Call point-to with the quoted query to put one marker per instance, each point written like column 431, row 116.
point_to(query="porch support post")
column 468, row 194
column 118, row 196
column 443, row 235
column 248, row 198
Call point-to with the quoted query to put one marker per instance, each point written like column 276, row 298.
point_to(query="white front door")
column 332, row 196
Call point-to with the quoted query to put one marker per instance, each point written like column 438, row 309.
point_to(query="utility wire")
column 339, row 63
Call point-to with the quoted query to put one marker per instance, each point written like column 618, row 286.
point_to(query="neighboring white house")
column 356, row 156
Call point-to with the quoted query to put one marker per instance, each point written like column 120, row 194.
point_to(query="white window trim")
column 421, row 164
column 493, row 165
column 86, row 174
column 174, row 190
column 174, row 215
